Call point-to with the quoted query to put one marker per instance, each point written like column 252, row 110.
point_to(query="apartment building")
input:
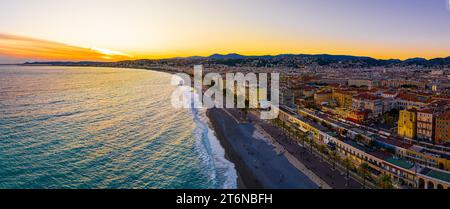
column 442, row 128
column 425, row 124
column 343, row 97
column 322, row 97
column 396, row 83
column 368, row 102
column 409, row 100
column 362, row 83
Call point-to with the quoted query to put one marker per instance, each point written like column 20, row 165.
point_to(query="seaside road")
column 322, row 169
column 257, row 162
column 294, row 161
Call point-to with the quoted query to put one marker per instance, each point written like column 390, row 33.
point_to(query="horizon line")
column 224, row 54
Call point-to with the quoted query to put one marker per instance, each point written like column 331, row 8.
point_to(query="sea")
column 88, row 127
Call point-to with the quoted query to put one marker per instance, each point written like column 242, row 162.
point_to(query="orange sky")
column 19, row 47
column 34, row 30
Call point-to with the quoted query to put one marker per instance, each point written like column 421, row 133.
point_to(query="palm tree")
column 299, row 136
column 322, row 149
column 303, row 138
column 359, row 138
column 335, row 157
column 311, row 143
column 292, row 132
column 309, row 137
column 347, row 163
column 363, row 170
column 385, row 182
column 296, row 135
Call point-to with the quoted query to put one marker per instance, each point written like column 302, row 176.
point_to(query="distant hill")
column 417, row 59
column 283, row 60
column 321, row 56
column 227, row 56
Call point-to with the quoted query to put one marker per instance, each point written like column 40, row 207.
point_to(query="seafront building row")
column 367, row 106
column 396, row 163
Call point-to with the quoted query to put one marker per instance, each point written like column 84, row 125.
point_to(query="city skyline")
column 107, row 31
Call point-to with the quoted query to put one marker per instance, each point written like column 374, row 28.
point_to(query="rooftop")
column 390, row 92
column 344, row 91
column 355, row 144
column 412, row 97
column 399, row 162
column 441, row 175
column 395, row 142
column 425, row 110
column 445, row 115
column 381, row 154
column 366, row 96
column 323, row 92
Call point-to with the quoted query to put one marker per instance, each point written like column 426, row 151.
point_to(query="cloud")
column 20, row 48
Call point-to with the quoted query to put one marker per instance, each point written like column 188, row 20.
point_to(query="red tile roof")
column 412, row 97
column 366, row 96
column 390, row 92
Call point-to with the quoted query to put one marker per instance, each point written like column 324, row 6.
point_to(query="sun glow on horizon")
column 31, row 49
column 111, row 52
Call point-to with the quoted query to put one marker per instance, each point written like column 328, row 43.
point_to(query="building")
column 343, row 98
column 442, row 128
column 421, row 156
column 407, row 123
column 428, row 178
column 408, row 100
column 397, row 83
column 361, row 83
column 425, row 124
column 437, row 73
column 307, row 91
column 389, row 104
column 368, row 102
column 357, row 116
column 389, row 94
column 322, row 97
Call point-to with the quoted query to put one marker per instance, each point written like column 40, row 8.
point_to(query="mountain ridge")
column 287, row 60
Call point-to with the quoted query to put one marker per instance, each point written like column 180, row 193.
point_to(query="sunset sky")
column 35, row 30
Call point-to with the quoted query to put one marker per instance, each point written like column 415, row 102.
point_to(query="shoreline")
column 245, row 179
column 257, row 162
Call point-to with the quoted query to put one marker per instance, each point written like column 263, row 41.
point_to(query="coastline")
column 258, row 163
column 245, row 178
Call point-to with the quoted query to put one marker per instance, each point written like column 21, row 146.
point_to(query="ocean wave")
column 223, row 172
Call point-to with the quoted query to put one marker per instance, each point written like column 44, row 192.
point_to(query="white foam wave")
column 223, row 172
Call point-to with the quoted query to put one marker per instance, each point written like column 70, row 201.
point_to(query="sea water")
column 86, row 127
